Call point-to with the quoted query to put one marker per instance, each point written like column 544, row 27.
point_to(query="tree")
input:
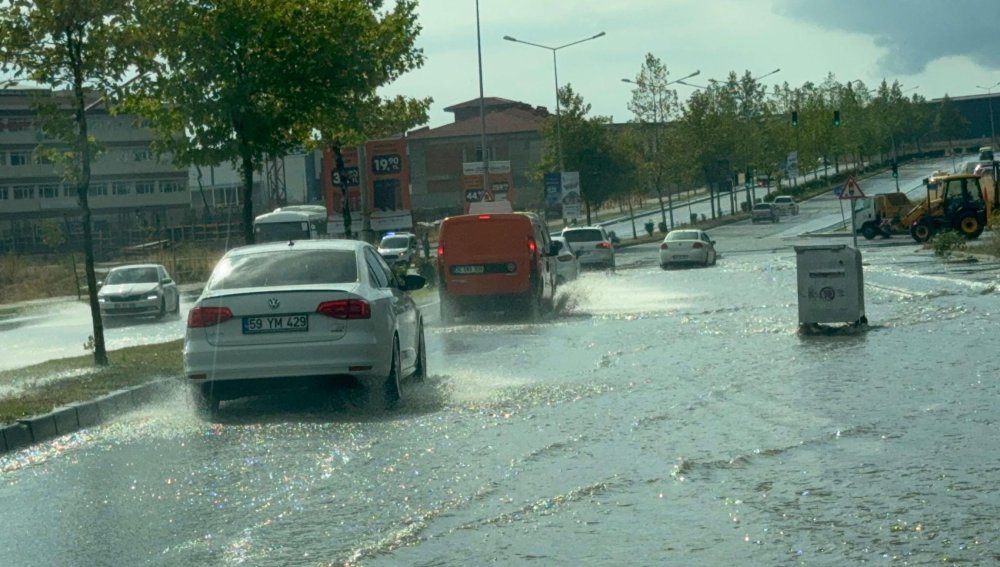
column 588, row 147
column 76, row 49
column 653, row 104
column 949, row 122
column 241, row 80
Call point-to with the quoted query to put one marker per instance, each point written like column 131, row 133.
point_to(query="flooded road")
column 661, row 418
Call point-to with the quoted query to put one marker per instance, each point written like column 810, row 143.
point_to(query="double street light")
column 989, row 97
column 555, row 70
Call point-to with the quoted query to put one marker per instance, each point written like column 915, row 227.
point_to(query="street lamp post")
column 555, row 71
column 657, row 121
column 989, row 97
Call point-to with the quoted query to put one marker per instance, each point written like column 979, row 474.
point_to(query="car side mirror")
column 100, row 284
column 413, row 282
column 554, row 248
column 166, row 281
column 578, row 253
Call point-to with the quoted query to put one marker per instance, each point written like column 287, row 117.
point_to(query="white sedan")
column 138, row 289
column 291, row 314
column 687, row 247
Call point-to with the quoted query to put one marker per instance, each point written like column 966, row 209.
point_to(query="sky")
column 935, row 47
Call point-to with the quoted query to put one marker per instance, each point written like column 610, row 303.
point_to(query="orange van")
column 487, row 260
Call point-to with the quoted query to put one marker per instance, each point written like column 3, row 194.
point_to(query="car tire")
column 715, row 256
column 386, row 395
column 420, row 371
column 664, row 266
column 163, row 308
column 177, row 304
column 869, row 231
column 206, row 403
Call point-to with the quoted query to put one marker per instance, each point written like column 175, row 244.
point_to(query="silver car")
column 285, row 315
column 138, row 290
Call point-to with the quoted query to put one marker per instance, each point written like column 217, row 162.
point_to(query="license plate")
column 275, row 324
column 468, row 269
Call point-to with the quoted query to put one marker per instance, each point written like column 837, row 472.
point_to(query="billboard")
column 379, row 188
column 571, row 194
column 388, row 183
column 499, row 178
column 552, row 185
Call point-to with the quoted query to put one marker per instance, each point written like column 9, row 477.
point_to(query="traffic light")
column 836, row 118
column 748, row 180
column 795, row 118
column 895, row 170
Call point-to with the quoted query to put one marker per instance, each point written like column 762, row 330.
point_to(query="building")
column 129, row 186
column 437, row 155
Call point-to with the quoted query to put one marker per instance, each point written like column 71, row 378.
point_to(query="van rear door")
column 486, row 254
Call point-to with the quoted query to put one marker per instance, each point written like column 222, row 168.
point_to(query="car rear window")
column 583, row 235
column 683, row 235
column 284, row 267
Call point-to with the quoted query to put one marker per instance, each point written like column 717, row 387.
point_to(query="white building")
column 131, row 188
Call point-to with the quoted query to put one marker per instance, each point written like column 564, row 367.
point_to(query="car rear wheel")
column 387, row 394
column 206, row 403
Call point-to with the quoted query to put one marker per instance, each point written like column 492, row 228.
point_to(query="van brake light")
column 485, row 217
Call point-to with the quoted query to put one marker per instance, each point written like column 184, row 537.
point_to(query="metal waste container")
column 830, row 284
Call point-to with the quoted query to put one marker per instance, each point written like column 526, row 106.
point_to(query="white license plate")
column 275, row 324
column 468, row 269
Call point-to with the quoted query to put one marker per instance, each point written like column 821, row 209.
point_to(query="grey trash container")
column 830, row 285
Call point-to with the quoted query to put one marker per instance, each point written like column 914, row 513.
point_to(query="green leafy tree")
column 653, row 104
column 77, row 49
column 949, row 122
column 241, row 80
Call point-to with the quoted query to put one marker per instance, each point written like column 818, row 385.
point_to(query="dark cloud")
column 913, row 32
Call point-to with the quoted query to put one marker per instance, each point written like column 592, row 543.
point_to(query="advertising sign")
column 388, row 183
column 499, row 177
column 333, row 192
column 552, row 185
column 571, row 194
column 792, row 165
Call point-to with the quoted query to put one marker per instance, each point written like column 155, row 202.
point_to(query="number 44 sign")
column 851, row 190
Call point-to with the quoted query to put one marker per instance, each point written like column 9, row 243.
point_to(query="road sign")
column 851, row 190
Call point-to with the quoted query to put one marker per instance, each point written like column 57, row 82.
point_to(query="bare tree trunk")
column 75, row 53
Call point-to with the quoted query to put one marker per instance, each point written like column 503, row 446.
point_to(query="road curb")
column 74, row 417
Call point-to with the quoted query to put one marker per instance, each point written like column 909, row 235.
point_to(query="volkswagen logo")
column 273, row 303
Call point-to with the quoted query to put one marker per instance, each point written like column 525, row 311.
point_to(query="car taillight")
column 663, row 246
column 603, row 245
column 532, row 246
column 440, row 252
column 485, row 217
column 208, row 316
column 345, row 309
column 696, row 245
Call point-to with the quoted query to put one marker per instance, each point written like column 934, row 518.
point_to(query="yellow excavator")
column 963, row 202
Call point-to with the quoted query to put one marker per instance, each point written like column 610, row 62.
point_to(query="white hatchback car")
column 786, row 205
column 292, row 314
column 687, row 247
column 137, row 290
column 593, row 243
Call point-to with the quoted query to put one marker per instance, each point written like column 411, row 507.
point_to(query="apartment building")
column 129, row 185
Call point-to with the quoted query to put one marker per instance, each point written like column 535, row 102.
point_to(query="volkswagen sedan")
column 285, row 315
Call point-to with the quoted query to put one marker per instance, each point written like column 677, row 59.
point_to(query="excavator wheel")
column 922, row 231
column 970, row 225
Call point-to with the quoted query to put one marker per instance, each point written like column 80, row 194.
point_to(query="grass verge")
column 43, row 387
